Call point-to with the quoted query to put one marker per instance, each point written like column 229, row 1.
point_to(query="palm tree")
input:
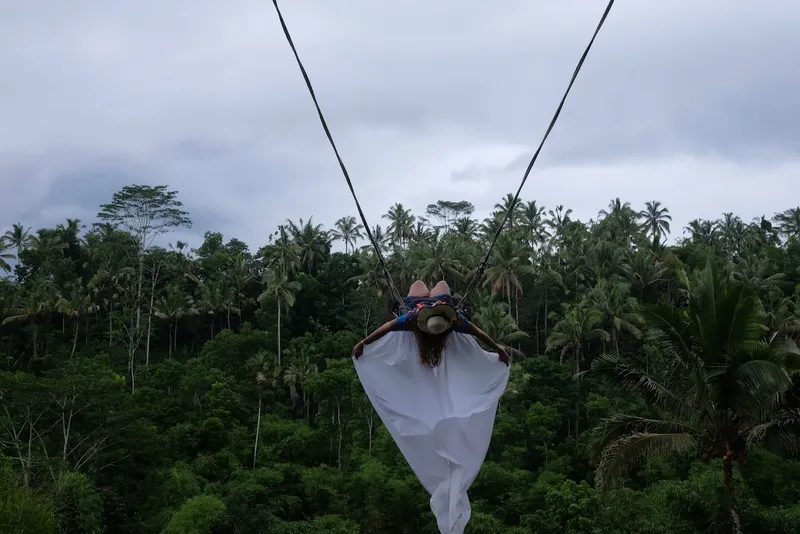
column 401, row 224
column 435, row 260
column 702, row 231
column 758, row 273
column 720, row 393
column 788, row 222
column 282, row 290
column 70, row 230
column 109, row 289
column 549, row 278
column 423, row 231
column 78, row 305
column 213, row 299
column 239, row 275
column 381, row 239
column 372, row 279
column 618, row 309
column 731, row 231
column 283, row 253
column 260, row 366
column 781, row 315
column 349, row 231
column 34, row 304
column 19, row 237
column 466, row 227
column 643, row 270
column 295, row 376
column 510, row 208
column 656, row 221
column 580, row 325
column 496, row 320
column 621, row 222
column 558, row 221
column 764, row 233
column 229, row 301
column 312, row 242
column 173, row 307
column 507, row 264
column 606, row 260
column 533, row 222
column 615, row 208
column 4, row 246
column 491, row 225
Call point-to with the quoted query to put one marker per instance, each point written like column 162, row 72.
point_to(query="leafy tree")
column 21, row 508
column 198, row 515
column 145, row 212
column 724, row 395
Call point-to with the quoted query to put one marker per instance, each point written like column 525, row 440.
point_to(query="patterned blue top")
column 404, row 322
column 411, row 302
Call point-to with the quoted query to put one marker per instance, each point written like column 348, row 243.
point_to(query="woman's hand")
column 358, row 350
column 503, row 355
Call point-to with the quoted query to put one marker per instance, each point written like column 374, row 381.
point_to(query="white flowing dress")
column 440, row 418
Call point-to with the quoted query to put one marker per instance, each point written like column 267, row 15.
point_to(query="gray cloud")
column 687, row 102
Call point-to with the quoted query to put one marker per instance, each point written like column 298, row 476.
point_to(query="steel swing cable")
column 392, row 288
column 482, row 266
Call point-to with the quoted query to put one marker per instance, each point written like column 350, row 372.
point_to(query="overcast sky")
column 693, row 103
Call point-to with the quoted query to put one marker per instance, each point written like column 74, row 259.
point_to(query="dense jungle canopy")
column 210, row 390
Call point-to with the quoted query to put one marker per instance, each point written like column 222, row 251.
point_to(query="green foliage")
column 79, row 505
column 177, row 390
column 145, row 211
column 21, row 508
column 198, row 515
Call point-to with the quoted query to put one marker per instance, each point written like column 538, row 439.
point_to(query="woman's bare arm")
column 483, row 336
column 379, row 332
column 488, row 341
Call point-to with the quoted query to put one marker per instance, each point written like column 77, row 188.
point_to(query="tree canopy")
column 148, row 389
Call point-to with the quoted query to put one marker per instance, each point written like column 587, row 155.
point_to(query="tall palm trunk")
column 150, row 317
column 279, row 331
column 132, row 344
column 169, row 350
column 730, row 498
column 140, row 288
column 35, row 336
column 339, row 435
column 74, row 339
column 536, row 325
column 258, row 430
column 578, row 346
column 545, row 313
column 110, row 324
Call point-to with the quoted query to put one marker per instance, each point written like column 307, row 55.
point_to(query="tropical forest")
column 152, row 386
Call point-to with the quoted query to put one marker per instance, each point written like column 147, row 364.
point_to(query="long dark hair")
column 430, row 346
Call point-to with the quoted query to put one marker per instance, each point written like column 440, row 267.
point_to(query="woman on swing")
column 432, row 318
